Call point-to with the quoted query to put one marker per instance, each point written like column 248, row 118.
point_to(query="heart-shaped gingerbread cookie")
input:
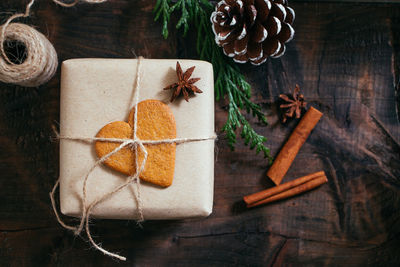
column 155, row 121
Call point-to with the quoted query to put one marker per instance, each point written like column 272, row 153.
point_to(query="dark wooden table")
column 345, row 57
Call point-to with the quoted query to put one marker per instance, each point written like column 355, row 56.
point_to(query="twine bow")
column 136, row 144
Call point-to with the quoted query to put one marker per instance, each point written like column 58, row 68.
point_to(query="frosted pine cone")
column 253, row 30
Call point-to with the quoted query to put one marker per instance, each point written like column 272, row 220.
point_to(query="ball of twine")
column 41, row 59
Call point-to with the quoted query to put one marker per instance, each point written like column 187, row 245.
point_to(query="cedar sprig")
column 229, row 81
column 236, row 120
column 162, row 8
column 183, row 21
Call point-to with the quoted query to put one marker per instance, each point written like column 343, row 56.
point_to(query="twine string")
column 137, row 179
column 132, row 141
column 62, row 3
column 137, row 144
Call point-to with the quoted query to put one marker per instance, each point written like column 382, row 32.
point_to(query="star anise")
column 294, row 104
column 184, row 84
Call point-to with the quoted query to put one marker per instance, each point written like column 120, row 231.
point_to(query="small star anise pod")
column 184, row 84
column 294, row 104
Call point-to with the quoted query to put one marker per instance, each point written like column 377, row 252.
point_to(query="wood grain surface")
column 346, row 59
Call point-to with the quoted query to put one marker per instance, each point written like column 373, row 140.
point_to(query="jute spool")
column 41, row 60
column 40, row 63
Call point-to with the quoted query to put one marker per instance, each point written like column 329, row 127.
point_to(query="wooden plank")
column 346, row 66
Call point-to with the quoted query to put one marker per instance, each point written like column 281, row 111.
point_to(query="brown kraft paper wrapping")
column 95, row 92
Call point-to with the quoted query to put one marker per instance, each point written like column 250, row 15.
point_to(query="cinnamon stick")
column 280, row 188
column 307, row 186
column 289, row 151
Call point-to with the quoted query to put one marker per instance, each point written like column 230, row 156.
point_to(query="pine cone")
column 253, row 30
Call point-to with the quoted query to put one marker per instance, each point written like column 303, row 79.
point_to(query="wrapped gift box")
column 95, row 92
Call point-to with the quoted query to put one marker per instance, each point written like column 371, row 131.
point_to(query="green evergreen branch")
column 162, row 9
column 184, row 15
column 229, row 81
column 235, row 120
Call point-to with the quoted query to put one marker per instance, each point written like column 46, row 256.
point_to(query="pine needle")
column 230, row 83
